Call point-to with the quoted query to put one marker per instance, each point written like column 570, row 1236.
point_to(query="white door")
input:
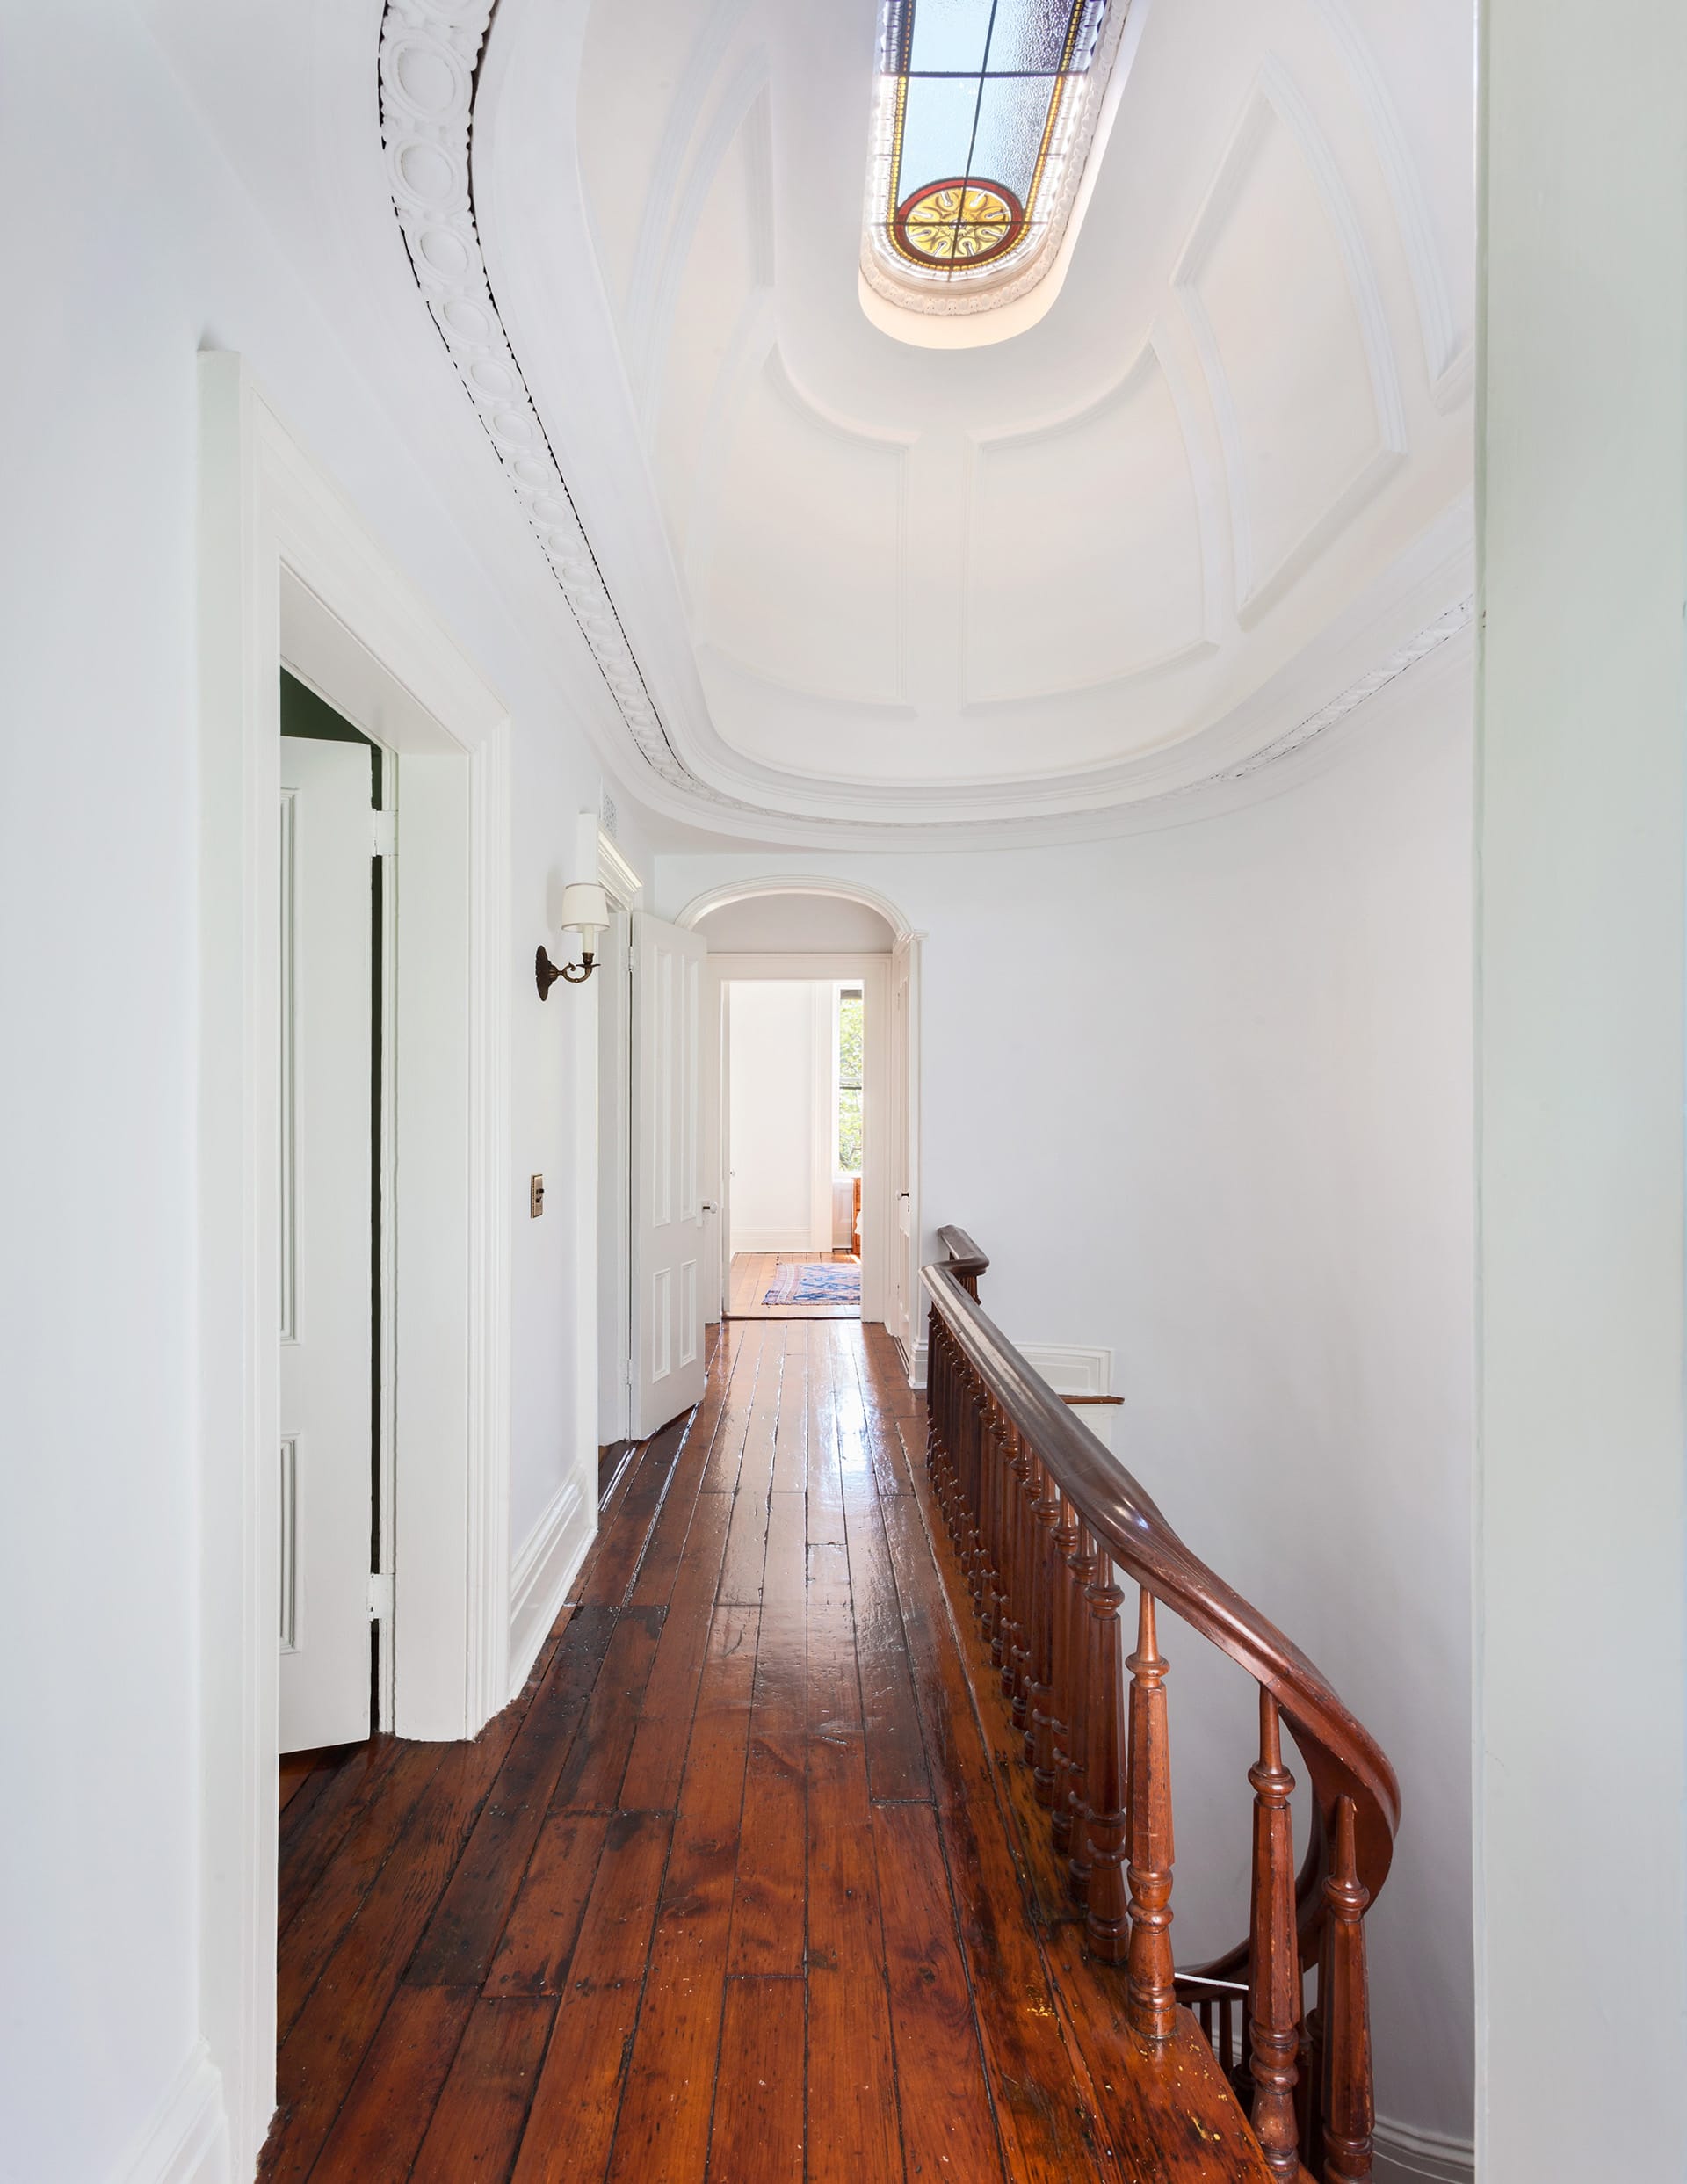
column 668, row 1226
column 899, row 1309
column 327, row 1228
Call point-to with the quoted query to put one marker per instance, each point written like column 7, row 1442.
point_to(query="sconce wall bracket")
column 547, row 973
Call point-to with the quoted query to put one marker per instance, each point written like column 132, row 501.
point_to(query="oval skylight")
column 984, row 116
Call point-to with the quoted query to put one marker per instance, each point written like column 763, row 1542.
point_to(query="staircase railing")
column 1042, row 1519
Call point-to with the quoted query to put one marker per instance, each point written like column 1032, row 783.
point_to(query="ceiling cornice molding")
column 430, row 60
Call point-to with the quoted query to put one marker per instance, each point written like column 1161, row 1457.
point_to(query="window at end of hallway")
column 849, row 1043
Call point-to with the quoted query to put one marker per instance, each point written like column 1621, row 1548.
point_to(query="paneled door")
column 901, row 1301
column 668, row 1225
column 326, row 1461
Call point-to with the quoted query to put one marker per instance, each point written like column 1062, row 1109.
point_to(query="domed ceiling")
column 1206, row 491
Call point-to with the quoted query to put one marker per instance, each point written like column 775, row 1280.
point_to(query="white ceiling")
column 837, row 586
column 886, row 581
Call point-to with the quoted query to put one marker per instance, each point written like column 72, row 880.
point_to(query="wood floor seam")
column 742, row 1887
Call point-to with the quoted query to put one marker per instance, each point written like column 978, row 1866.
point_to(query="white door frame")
column 288, row 572
column 607, row 1159
column 878, row 1230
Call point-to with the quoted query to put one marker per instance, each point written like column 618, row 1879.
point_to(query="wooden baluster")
column 1039, row 1695
column 1031, row 1487
column 934, row 1401
column 940, row 1407
column 1106, row 1920
column 1311, row 2094
column 1077, row 1861
column 1349, row 2110
column 1001, row 1489
column 989, row 1461
column 1274, row 1956
column 978, row 1412
column 1013, row 1659
column 1153, row 2000
column 1007, row 1621
column 1063, row 1675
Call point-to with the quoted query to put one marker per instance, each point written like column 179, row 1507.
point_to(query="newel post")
column 1348, row 2113
column 1274, row 1983
column 1152, row 1993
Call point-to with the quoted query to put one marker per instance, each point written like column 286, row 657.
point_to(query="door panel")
column 668, row 1225
column 902, row 1309
column 327, row 1275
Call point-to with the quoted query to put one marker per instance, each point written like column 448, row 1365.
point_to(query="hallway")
column 744, row 1885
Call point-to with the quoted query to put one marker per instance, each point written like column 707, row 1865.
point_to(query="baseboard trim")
column 542, row 1571
column 186, row 2140
column 1070, row 1368
column 789, row 1240
column 1405, row 2156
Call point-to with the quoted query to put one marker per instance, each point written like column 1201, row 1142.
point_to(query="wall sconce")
column 585, row 911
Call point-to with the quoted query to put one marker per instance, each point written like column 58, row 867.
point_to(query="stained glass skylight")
column 984, row 111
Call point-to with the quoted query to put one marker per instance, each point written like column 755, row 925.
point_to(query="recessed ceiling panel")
column 1084, row 555
column 802, row 573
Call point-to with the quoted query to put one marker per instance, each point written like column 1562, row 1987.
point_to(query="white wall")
column 786, row 924
column 779, row 1126
column 139, row 247
column 1212, row 1109
column 1582, row 1689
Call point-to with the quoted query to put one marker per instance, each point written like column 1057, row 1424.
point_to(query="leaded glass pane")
column 983, row 105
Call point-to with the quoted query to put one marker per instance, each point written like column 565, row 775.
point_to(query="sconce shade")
column 586, row 909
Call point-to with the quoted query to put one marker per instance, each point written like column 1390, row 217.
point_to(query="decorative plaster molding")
column 430, row 54
column 1427, row 640
column 1444, row 358
column 430, row 57
column 1276, row 96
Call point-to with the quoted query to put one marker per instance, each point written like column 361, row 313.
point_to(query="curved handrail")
column 965, row 1259
column 1342, row 1759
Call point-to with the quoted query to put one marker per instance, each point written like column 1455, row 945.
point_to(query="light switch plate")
column 536, row 1196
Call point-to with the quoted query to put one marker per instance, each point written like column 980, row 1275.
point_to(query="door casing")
column 289, row 576
column 878, row 1228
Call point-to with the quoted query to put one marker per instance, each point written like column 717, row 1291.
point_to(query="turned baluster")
column 949, row 1420
column 934, row 1401
column 1274, row 1953
column 972, row 1556
column 1349, row 2111
column 1152, row 2000
column 1106, row 1918
column 984, row 1604
column 1063, row 1674
column 1001, row 1543
column 1082, row 1561
column 1013, row 1516
column 1039, row 1695
column 1028, row 1487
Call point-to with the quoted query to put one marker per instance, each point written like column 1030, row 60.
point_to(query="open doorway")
column 796, row 1077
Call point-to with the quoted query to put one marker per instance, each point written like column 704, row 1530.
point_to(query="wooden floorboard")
column 747, row 1886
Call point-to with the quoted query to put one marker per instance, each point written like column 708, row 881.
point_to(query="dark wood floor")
column 745, row 1886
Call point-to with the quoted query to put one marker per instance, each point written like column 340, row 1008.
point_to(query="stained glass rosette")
column 983, row 114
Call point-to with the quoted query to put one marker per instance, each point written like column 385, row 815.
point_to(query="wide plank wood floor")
column 745, row 1886
column 750, row 1277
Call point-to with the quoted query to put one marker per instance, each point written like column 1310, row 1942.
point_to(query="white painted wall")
column 786, row 924
column 1211, row 1109
column 140, row 246
column 779, row 1126
column 1582, row 1523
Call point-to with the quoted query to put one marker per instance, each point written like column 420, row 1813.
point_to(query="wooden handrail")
column 1040, row 1513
